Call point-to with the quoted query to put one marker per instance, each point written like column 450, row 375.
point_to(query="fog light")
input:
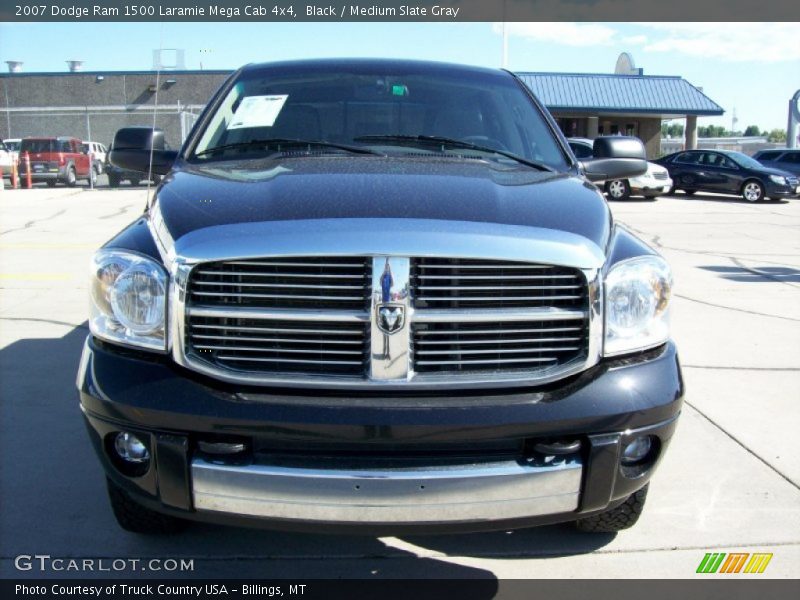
column 637, row 450
column 130, row 448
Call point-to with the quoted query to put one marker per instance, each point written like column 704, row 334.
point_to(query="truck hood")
column 393, row 192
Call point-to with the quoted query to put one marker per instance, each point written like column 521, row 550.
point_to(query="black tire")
column 618, row 189
column 51, row 183
column 71, row 180
column 621, row 517
column 753, row 191
column 98, row 168
column 690, row 192
column 92, row 178
column 135, row 518
column 113, row 180
column 651, row 196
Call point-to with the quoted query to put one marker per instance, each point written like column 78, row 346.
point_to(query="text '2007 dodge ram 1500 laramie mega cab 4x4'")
column 378, row 296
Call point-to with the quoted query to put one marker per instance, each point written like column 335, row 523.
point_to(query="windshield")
column 386, row 112
column 13, row 146
column 745, row 161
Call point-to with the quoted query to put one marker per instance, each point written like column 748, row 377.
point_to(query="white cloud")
column 733, row 42
column 634, row 40
column 569, row 34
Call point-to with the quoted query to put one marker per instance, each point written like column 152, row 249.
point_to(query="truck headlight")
column 637, row 298
column 128, row 299
column 780, row 180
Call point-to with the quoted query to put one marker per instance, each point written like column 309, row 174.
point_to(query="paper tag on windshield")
column 257, row 111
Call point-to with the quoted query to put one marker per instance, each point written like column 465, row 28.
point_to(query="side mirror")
column 615, row 157
column 133, row 147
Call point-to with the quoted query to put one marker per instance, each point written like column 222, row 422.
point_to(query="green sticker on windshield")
column 399, row 90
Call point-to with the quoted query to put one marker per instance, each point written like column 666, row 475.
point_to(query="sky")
column 752, row 68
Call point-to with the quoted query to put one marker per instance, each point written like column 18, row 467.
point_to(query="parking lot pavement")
column 729, row 483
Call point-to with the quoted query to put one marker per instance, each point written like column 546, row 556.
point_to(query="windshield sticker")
column 257, row 111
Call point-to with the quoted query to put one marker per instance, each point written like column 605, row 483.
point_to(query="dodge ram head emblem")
column 390, row 318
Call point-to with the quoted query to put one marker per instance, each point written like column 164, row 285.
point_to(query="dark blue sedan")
column 727, row 172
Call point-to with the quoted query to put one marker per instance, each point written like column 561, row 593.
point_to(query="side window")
column 791, row 157
column 687, row 158
column 768, row 155
column 580, row 150
column 727, row 163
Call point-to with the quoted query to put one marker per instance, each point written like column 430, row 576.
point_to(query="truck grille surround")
column 301, row 319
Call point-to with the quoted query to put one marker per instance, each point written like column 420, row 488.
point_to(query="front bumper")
column 775, row 190
column 378, row 464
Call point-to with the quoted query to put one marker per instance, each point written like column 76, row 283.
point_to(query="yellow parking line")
column 35, row 276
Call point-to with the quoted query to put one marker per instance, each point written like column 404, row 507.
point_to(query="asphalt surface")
column 728, row 484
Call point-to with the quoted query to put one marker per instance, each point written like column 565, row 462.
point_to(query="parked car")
column 786, row 159
column 652, row 184
column 97, row 152
column 55, row 159
column 728, row 172
column 6, row 159
column 378, row 295
column 117, row 175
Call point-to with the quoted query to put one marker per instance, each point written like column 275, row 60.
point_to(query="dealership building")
column 94, row 104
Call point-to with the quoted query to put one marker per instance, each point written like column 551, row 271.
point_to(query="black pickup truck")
column 378, row 296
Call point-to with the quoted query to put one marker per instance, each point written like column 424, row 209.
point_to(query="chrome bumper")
column 450, row 493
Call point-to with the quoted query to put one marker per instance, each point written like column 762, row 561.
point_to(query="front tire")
column 690, row 192
column 618, row 189
column 753, row 191
column 113, row 180
column 135, row 518
column 51, row 183
column 618, row 518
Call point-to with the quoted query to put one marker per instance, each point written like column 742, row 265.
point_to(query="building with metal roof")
column 626, row 102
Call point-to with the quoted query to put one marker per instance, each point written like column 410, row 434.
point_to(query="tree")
column 776, row 136
column 673, row 130
column 752, row 131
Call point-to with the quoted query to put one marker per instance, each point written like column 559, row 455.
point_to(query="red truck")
column 54, row 159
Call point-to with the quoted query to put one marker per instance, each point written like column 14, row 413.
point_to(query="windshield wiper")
column 435, row 140
column 278, row 143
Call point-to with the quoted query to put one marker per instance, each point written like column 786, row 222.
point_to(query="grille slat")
column 240, row 296
column 452, row 347
column 321, row 283
column 453, row 283
column 303, row 315
column 423, row 342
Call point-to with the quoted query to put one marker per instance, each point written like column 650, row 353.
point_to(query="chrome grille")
column 264, row 345
column 467, row 283
column 305, row 282
column 498, row 345
column 315, row 321
column 660, row 175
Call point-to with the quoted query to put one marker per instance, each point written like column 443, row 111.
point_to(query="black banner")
column 396, row 10
column 416, row 589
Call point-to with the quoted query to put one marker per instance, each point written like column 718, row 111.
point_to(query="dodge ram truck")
column 378, row 296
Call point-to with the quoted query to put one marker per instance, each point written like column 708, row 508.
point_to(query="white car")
column 650, row 185
column 7, row 159
column 655, row 182
column 97, row 152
